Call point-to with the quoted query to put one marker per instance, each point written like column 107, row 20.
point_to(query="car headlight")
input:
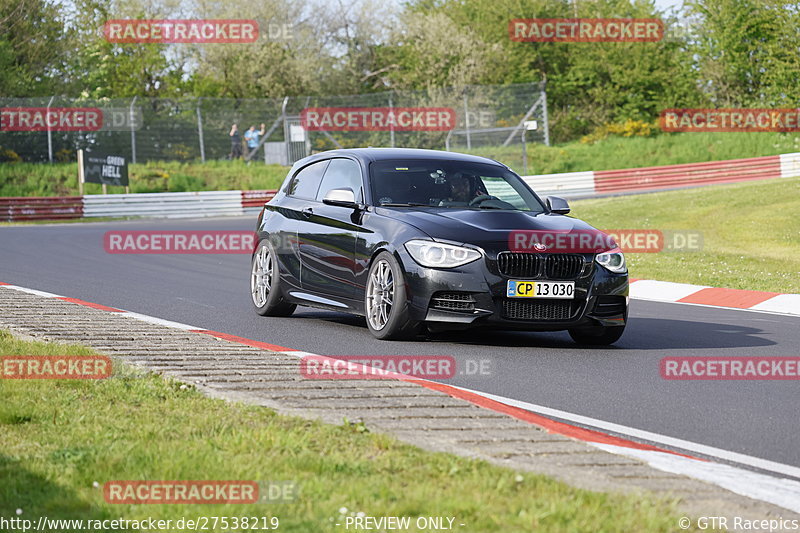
column 613, row 261
column 439, row 255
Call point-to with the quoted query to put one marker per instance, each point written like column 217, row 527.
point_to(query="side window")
column 342, row 173
column 306, row 182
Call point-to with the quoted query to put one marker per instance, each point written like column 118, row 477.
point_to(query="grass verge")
column 60, row 179
column 58, row 437
column 751, row 233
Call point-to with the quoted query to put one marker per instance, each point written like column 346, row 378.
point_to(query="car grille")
column 563, row 266
column 609, row 306
column 453, row 301
column 551, row 266
column 550, row 310
column 519, row 264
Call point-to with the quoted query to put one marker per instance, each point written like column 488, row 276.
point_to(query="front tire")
column 597, row 335
column 386, row 301
column 265, row 283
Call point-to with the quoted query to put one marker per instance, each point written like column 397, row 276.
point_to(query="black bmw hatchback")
column 422, row 239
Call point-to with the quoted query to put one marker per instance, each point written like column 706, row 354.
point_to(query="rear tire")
column 265, row 283
column 386, row 301
column 597, row 335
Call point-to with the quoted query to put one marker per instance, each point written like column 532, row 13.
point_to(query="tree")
column 33, row 48
column 748, row 51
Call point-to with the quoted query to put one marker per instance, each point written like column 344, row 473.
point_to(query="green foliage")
column 629, row 128
column 747, row 51
column 733, row 53
column 36, row 179
column 32, row 46
column 9, row 156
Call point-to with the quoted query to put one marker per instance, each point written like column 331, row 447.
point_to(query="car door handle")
column 307, row 212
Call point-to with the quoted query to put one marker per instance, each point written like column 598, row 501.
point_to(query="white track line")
column 647, row 436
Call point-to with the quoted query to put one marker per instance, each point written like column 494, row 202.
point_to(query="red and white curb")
column 775, row 490
column 684, row 293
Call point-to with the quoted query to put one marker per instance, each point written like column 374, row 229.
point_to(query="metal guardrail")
column 662, row 177
column 665, row 177
column 159, row 205
column 37, row 208
column 169, row 204
column 567, row 184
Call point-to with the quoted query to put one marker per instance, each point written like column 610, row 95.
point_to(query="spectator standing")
column 236, row 142
column 251, row 136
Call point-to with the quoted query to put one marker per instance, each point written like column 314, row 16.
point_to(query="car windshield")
column 449, row 184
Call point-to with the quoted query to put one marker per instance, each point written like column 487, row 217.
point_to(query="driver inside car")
column 461, row 189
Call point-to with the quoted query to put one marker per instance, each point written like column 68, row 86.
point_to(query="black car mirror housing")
column 557, row 205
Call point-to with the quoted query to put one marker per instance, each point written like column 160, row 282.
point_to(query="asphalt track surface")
column 619, row 384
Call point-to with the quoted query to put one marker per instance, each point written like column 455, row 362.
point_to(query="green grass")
column 33, row 179
column 751, row 233
column 61, row 179
column 59, row 437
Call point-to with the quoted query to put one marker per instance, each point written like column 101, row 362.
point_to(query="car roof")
column 368, row 155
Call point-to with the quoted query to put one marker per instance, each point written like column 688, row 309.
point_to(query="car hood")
column 485, row 228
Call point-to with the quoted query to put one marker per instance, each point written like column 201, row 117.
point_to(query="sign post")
column 80, row 172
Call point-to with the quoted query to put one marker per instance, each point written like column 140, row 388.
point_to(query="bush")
column 629, row 128
column 9, row 156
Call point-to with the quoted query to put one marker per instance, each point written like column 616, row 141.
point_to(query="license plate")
column 562, row 290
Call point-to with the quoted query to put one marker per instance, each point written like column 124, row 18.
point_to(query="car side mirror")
column 557, row 205
column 342, row 197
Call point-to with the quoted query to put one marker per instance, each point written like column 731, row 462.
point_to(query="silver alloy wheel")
column 380, row 295
column 261, row 276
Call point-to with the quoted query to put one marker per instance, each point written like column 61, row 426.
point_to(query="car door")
column 328, row 238
column 300, row 194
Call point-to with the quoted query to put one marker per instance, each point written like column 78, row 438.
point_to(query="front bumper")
column 475, row 295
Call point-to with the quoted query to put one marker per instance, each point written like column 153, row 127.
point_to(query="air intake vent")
column 549, row 310
column 609, row 306
column 453, row 301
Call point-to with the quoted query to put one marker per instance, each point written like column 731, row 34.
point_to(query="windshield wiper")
column 410, row 204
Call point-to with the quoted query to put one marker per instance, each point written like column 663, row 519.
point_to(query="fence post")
column 466, row 122
column 49, row 133
column 543, row 93
column 391, row 126
column 524, row 154
column 285, row 130
column 200, row 131
column 133, row 131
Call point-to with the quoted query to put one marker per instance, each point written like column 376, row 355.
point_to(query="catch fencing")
column 487, row 119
